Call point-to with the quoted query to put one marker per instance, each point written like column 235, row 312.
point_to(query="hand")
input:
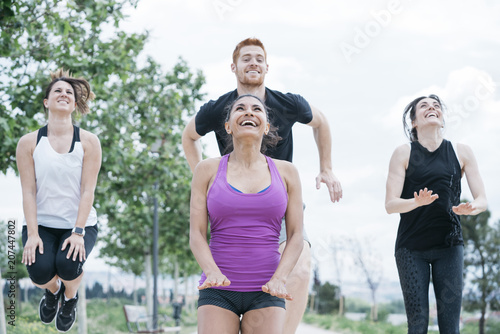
column 76, row 247
column 276, row 288
column 29, row 251
column 215, row 280
column 464, row 209
column 424, row 197
column 332, row 183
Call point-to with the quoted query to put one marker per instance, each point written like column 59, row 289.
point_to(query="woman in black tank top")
column 423, row 186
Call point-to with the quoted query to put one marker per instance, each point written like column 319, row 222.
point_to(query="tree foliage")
column 481, row 261
column 136, row 105
column 327, row 295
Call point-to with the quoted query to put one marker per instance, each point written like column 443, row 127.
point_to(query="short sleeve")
column 211, row 115
column 304, row 112
column 205, row 119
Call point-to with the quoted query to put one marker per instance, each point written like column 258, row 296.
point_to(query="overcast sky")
column 360, row 62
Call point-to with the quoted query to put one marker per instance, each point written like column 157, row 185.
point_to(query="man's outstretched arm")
column 323, row 138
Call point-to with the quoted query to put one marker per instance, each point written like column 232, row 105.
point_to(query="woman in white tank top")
column 58, row 166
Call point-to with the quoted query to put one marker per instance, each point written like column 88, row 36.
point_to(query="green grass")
column 346, row 326
column 103, row 317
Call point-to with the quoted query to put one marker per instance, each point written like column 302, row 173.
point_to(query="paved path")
column 309, row 329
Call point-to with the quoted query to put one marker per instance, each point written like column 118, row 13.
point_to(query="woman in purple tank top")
column 244, row 196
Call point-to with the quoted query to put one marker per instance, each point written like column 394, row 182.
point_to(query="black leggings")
column 53, row 261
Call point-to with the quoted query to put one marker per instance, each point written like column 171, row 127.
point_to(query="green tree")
column 150, row 107
column 329, row 295
column 38, row 36
column 326, row 295
column 136, row 105
column 481, row 259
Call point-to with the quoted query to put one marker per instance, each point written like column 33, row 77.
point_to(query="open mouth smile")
column 248, row 123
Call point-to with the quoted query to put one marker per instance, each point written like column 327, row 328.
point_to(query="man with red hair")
column 250, row 67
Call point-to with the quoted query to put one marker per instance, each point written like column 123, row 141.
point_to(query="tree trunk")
column 311, row 301
column 82, row 308
column 149, row 288
column 176, row 279
column 25, row 292
column 134, row 292
column 482, row 320
column 192, row 300
column 185, row 287
column 374, row 311
column 341, row 305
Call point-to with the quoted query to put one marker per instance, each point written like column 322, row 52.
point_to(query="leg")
column 298, row 286
column 217, row 320
column 71, row 274
column 447, row 276
column 414, row 277
column 52, row 285
column 269, row 320
column 72, row 286
column 69, row 271
column 43, row 271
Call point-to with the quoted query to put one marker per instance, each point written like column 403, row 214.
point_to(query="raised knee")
column 67, row 269
column 40, row 274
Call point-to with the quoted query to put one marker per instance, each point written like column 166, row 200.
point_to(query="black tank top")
column 434, row 225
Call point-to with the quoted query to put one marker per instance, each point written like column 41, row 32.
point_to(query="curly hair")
column 83, row 93
column 269, row 140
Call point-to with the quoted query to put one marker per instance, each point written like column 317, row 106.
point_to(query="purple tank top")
column 245, row 230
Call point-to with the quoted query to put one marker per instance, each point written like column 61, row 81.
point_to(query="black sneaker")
column 67, row 314
column 49, row 305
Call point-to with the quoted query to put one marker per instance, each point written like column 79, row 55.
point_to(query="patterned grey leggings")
column 415, row 269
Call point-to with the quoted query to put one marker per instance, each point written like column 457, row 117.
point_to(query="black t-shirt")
column 284, row 111
column 435, row 225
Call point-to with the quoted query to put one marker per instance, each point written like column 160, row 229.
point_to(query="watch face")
column 79, row 230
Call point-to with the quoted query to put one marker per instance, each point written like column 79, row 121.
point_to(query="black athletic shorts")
column 53, row 261
column 239, row 302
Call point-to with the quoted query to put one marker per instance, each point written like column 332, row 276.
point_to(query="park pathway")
column 309, row 329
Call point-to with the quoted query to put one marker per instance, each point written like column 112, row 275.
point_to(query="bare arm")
column 322, row 136
column 294, row 226
column 395, row 182
column 191, row 144
column 90, row 170
column 476, row 185
column 198, row 225
column 26, row 167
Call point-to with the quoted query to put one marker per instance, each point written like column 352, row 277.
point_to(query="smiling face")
column 247, row 116
column 61, row 98
column 428, row 112
column 251, row 66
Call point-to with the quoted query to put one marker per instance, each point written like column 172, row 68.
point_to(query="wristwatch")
column 78, row 231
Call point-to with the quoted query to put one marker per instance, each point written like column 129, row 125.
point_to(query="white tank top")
column 58, row 180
